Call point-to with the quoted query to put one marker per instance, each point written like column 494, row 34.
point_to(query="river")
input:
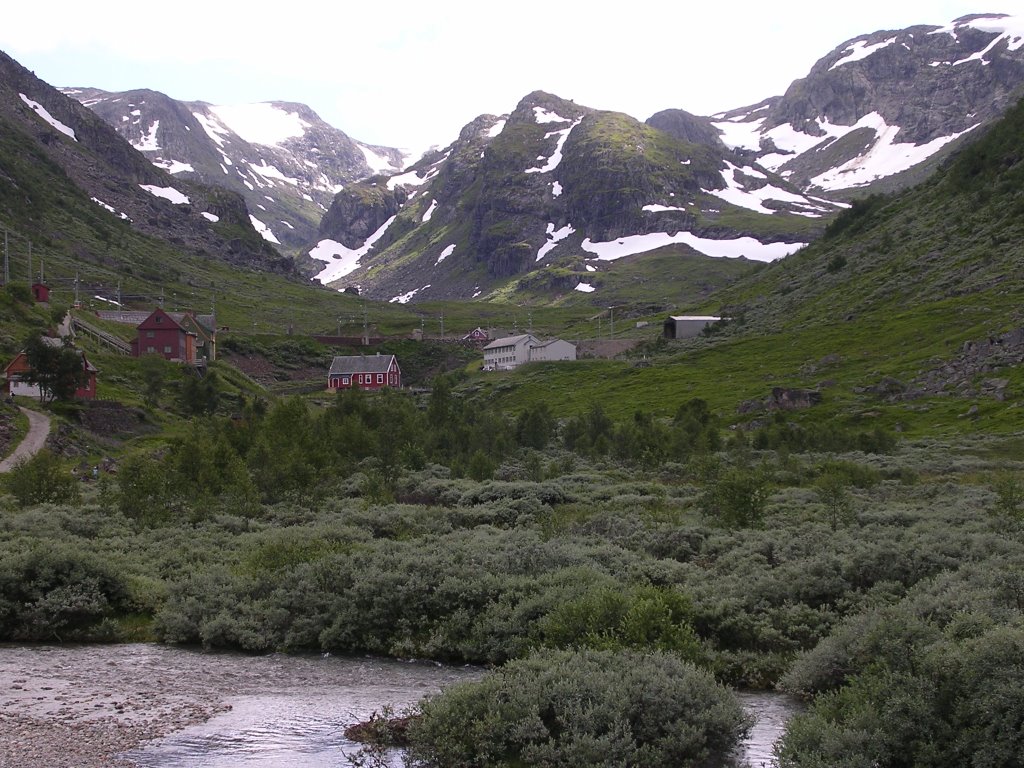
column 173, row 707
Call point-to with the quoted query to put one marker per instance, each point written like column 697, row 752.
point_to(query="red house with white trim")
column 160, row 334
column 369, row 372
column 15, row 376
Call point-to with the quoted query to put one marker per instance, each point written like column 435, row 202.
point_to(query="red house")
column 16, row 373
column 477, row 336
column 365, row 372
column 41, row 293
column 160, row 334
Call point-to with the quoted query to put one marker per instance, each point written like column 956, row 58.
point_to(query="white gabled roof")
column 510, row 341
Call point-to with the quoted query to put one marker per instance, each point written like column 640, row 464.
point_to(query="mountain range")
column 280, row 156
column 555, row 194
column 553, row 202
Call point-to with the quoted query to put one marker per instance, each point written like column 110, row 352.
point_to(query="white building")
column 509, row 352
column 556, row 349
column 512, row 351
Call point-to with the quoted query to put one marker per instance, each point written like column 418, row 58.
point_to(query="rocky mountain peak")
column 878, row 107
column 280, row 156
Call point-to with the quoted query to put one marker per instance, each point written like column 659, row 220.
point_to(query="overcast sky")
column 411, row 73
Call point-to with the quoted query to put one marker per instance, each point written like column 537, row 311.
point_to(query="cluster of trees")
column 268, row 454
column 586, row 558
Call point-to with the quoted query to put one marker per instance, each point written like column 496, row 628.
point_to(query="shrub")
column 736, row 497
column 614, row 618
column 52, row 592
column 42, row 479
column 576, row 708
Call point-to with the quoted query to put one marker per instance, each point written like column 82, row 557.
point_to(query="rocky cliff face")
column 879, row 110
column 280, row 156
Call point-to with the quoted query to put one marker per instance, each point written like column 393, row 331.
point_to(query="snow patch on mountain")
column 148, row 142
column 1006, row 28
column 861, row 50
column 215, row 130
column 265, row 232
column 746, row 247
column 885, row 158
column 40, row 110
column 739, row 133
column 658, row 208
column 210, row 216
column 554, row 238
column 110, row 208
column 430, row 211
column 542, row 116
column 341, row 260
column 405, row 298
column 755, row 199
column 262, row 123
column 271, row 173
column 174, row 166
column 167, row 193
column 556, row 157
column 496, row 129
column 445, row 254
column 378, row 163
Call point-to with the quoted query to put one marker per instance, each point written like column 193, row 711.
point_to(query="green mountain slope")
column 554, row 185
column 906, row 314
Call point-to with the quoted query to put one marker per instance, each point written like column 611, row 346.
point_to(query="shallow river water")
column 242, row 711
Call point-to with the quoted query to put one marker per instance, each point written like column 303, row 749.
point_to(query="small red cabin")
column 365, row 372
column 41, row 293
column 160, row 334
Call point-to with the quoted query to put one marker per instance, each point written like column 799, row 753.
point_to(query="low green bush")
column 582, row 708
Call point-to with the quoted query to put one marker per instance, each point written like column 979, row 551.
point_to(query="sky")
column 412, row 73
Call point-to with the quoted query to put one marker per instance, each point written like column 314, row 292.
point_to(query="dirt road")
column 32, row 443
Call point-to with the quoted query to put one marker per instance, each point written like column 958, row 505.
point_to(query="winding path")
column 32, row 443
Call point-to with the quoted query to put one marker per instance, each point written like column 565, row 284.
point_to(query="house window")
column 167, row 350
column 151, row 349
column 345, row 381
column 380, row 378
column 150, row 334
column 158, row 319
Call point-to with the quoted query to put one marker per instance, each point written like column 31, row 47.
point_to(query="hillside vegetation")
column 665, row 515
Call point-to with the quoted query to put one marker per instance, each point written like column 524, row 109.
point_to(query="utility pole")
column 611, row 322
column 30, row 262
column 7, row 260
column 77, row 302
column 366, row 328
column 442, row 326
column 118, row 294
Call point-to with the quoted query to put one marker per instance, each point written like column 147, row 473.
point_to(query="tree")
column 199, row 396
column 832, row 491
column 57, row 368
column 1009, row 496
column 155, row 371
